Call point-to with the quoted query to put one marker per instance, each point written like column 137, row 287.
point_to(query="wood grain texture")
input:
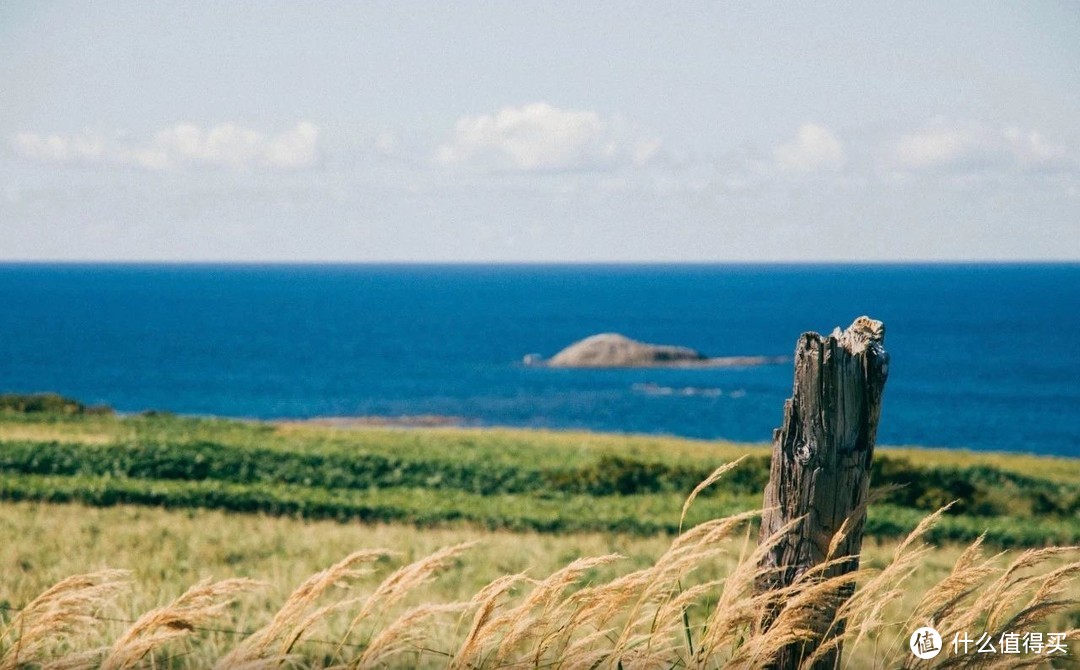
column 821, row 462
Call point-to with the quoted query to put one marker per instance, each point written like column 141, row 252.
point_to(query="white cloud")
column 540, row 137
column 295, row 148
column 938, row 147
column 814, row 149
column 927, row 149
column 182, row 145
column 386, row 144
column 57, row 149
column 645, row 150
column 1031, row 150
column 974, row 147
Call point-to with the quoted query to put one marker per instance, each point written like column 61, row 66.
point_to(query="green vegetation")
column 496, row 479
column 46, row 403
column 468, row 597
column 489, row 528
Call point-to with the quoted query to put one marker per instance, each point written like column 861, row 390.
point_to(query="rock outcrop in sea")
column 612, row 350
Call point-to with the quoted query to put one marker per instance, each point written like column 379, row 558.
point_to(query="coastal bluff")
column 612, row 350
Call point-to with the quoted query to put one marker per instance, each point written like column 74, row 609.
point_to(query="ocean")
column 983, row 357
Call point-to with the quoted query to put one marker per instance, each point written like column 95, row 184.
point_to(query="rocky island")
column 612, row 350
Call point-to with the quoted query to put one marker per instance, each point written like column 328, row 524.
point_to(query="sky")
column 539, row 132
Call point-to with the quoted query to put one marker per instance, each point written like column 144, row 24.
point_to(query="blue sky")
column 522, row 131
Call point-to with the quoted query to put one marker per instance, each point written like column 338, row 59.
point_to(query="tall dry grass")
column 674, row 613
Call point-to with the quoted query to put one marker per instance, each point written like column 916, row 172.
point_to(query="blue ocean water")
column 983, row 356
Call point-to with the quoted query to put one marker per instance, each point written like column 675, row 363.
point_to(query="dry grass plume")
column 677, row 612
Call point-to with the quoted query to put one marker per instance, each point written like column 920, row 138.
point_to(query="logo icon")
column 925, row 643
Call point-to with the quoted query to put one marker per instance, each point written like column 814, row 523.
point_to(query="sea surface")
column 985, row 357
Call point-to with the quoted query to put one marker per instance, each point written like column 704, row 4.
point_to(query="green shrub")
column 46, row 403
column 499, row 479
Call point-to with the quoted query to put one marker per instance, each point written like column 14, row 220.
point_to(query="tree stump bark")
column 821, row 468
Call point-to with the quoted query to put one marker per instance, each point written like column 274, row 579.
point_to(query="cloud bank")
column 541, row 138
column 582, row 186
column 814, row 149
column 959, row 148
column 225, row 145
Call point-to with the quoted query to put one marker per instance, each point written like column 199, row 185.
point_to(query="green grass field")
column 176, row 500
column 495, row 478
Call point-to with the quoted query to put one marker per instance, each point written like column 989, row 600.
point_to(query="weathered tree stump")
column 821, row 468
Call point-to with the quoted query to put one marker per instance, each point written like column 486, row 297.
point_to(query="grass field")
column 176, row 500
column 495, row 478
column 168, row 551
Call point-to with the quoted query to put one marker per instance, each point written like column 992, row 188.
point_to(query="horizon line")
column 538, row 263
